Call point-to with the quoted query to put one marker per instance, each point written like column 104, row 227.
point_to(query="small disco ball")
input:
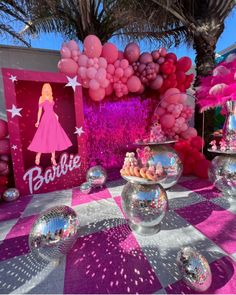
column 144, row 206
column 54, row 232
column 195, row 269
column 97, row 176
column 85, row 188
column 10, row 195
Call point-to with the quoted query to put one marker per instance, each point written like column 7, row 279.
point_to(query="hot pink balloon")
column 167, row 121
column 83, row 60
column 92, row 46
column 72, row 45
column 124, row 80
column 133, row 84
column 160, row 111
column 120, row 54
column 184, row 64
column 172, row 56
column 65, row 52
column 124, row 64
column 128, row 72
column 180, row 76
column 119, row 72
column 157, row 83
column 91, row 72
column 93, row 84
column 82, row 71
column 117, row 64
column 110, row 52
column 145, row 58
column 172, row 95
column 102, row 62
column 68, row 66
column 3, row 129
column 111, row 69
column 109, row 90
column 141, row 89
column 4, row 146
column 132, row 52
column 100, row 75
column 90, row 62
column 97, row 95
column 161, row 60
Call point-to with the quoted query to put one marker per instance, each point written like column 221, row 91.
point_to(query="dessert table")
column 108, row 257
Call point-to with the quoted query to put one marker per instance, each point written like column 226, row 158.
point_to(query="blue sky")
column 54, row 41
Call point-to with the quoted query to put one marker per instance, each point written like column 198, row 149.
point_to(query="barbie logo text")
column 36, row 179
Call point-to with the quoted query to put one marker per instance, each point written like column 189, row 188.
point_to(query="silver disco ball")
column 144, row 206
column 54, row 232
column 222, row 173
column 195, row 269
column 97, row 176
column 85, row 188
column 170, row 161
column 10, row 195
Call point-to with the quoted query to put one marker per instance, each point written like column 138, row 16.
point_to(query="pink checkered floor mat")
column 108, row 257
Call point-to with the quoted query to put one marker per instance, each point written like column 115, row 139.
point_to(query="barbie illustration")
column 50, row 136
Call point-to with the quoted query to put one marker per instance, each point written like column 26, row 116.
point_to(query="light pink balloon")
column 92, row 46
column 85, row 83
column 172, row 95
column 145, row 58
column 93, row 84
column 90, row 62
column 120, row 55
column 68, row 66
column 91, row 72
column 97, row 95
column 162, row 51
column 72, row 45
column 117, row 64
column 111, row 69
column 157, row 83
column 124, row 63
column 109, row 90
column 65, row 52
column 119, row 72
column 110, row 52
column 101, row 75
column 75, row 58
column 75, row 53
column 83, row 60
column 102, row 62
column 132, row 52
column 105, row 83
column 167, row 121
column 82, row 71
column 128, row 72
column 133, row 84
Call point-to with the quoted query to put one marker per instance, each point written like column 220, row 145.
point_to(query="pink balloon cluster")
column 173, row 114
column 103, row 69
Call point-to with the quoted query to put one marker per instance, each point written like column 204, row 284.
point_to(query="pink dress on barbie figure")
column 50, row 136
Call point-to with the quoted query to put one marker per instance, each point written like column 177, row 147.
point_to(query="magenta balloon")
column 100, row 75
column 133, row 84
column 72, row 45
column 91, row 72
column 93, row 84
column 180, row 77
column 124, row 79
column 162, row 51
column 141, row 89
column 157, row 83
column 172, row 56
column 117, row 64
column 111, row 69
column 132, row 52
column 119, row 72
column 83, row 60
column 184, row 64
column 97, row 95
column 110, row 52
column 92, row 46
column 4, row 146
column 3, row 129
column 124, row 63
column 120, row 55
column 167, row 121
column 128, row 72
column 68, row 66
column 160, row 111
column 65, row 52
column 145, row 58
column 82, row 71
column 161, row 60
column 155, row 55
column 141, row 68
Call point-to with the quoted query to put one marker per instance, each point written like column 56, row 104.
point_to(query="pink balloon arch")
column 106, row 71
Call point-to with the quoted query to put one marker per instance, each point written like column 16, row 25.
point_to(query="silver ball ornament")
column 96, row 176
column 10, row 195
column 85, row 188
column 54, row 233
column 144, row 206
column 195, row 269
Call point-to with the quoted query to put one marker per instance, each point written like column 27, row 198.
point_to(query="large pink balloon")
column 65, row 52
column 101, row 75
column 132, row 52
column 184, row 64
column 82, row 72
column 119, row 72
column 92, row 46
column 157, row 83
column 167, row 121
column 128, row 72
column 4, row 146
column 68, row 66
column 91, row 72
column 104, row 83
column 110, row 52
column 3, row 129
column 102, row 62
column 97, row 95
column 93, row 84
column 172, row 95
column 72, row 45
column 83, row 60
column 145, row 58
column 134, row 84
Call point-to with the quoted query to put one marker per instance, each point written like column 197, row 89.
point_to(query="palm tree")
column 12, row 13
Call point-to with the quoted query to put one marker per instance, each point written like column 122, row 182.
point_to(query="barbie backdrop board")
column 46, row 127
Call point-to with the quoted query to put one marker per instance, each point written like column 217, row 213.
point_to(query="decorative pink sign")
column 46, row 127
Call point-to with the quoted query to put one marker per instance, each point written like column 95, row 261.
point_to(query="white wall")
column 28, row 59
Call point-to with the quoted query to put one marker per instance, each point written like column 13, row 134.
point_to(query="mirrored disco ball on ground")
column 170, row 161
column 144, row 206
column 85, row 188
column 97, row 176
column 195, row 269
column 54, row 232
column 222, row 173
column 10, row 195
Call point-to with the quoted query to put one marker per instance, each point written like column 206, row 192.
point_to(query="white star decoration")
column 14, row 147
column 73, row 82
column 13, row 78
column 79, row 131
column 15, row 111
